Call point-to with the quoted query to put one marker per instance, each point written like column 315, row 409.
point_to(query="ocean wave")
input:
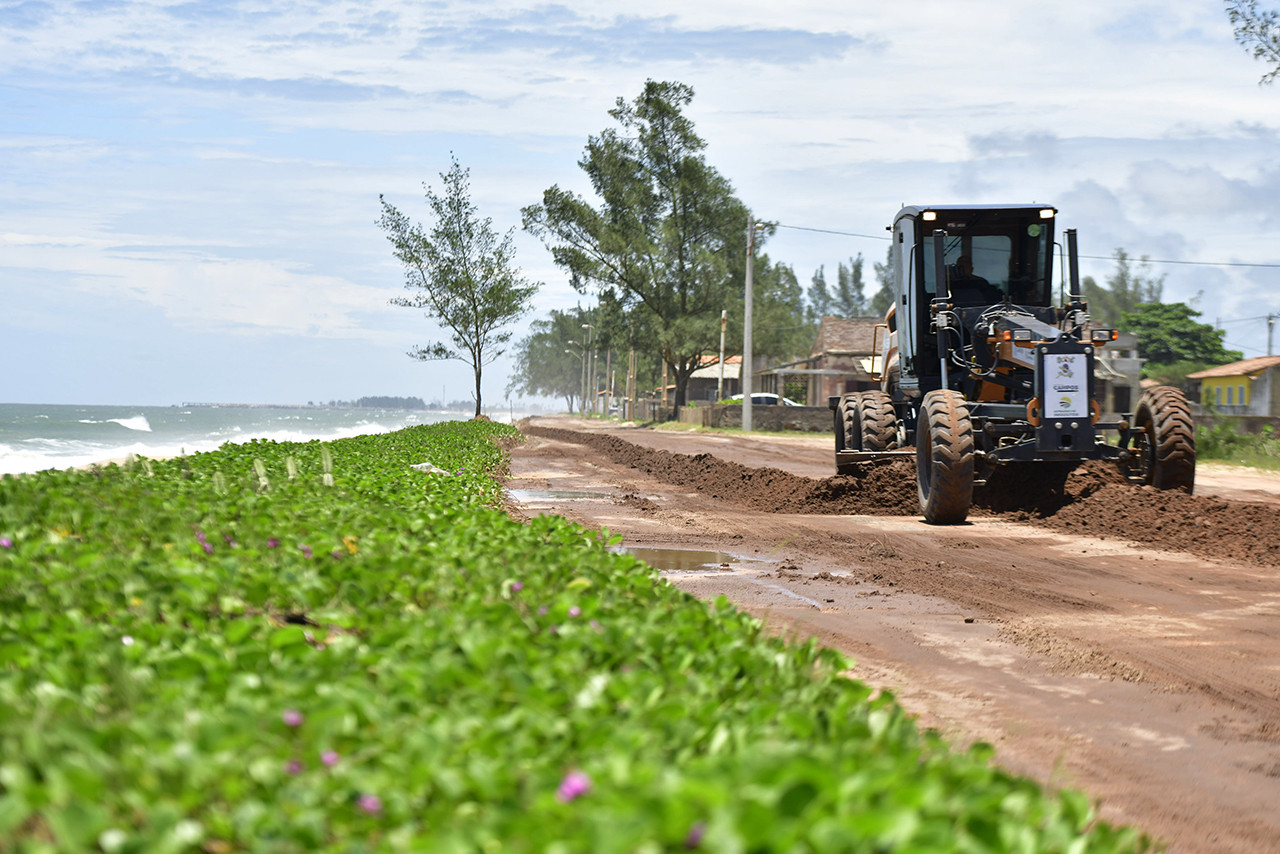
column 137, row 422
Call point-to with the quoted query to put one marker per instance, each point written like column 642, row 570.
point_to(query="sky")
column 189, row 190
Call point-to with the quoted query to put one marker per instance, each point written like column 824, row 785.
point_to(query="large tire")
column 848, row 435
column 1165, row 439
column 944, row 458
column 878, row 422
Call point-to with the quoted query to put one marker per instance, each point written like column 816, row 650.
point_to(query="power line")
column 1189, row 263
column 1143, row 260
column 831, row 231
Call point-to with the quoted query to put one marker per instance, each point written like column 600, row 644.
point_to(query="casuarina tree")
column 460, row 273
column 668, row 235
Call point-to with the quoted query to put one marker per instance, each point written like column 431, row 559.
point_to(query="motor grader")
column 986, row 378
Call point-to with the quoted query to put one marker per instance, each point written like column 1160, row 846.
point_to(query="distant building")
column 1248, row 387
column 840, row 361
column 706, row 380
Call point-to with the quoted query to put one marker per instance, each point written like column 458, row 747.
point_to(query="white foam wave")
column 137, row 422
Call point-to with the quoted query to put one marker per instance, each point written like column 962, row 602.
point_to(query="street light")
column 590, row 335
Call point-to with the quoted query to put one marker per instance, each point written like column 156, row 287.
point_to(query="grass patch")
column 314, row 647
column 1222, row 442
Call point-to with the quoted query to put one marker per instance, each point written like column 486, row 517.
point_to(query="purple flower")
column 575, row 611
column 273, row 543
column 208, row 548
column 292, row 717
column 200, row 535
column 574, row 785
column 330, row 758
column 294, row 766
column 595, row 626
column 542, row 612
column 372, row 804
column 6, row 543
column 517, row 586
column 336, row 554
column 306, row 550
column 694, row 839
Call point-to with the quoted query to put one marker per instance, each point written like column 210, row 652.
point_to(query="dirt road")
column 1115, row 640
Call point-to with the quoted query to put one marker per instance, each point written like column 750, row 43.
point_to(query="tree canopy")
column 667, row 236
column 1168, row 333
column 461, row 273
column 1258, row 30
column 551, row 360
column 1125, row 290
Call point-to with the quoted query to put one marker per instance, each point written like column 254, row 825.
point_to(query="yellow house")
column 1250, row 387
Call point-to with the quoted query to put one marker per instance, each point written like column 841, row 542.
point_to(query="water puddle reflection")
column 540, row 496
column 682, row 560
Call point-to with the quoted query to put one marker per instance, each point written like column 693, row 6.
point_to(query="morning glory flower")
column 371, row 804
column 6, row 543
column 517, row 586
column 292, row 717
column 330, row 758
column 694, row 839
column 574, row 785
column 575, row 611
column 294, row 766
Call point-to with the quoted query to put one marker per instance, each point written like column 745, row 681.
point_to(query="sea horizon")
column 37, row 437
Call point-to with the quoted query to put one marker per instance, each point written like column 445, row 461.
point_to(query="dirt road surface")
column 1111, row 639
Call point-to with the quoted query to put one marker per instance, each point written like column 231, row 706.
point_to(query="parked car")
column 763, row 399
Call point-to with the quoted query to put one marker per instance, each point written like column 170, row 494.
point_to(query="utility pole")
column 1271, row 325
column 724, row 319
column 746, row 327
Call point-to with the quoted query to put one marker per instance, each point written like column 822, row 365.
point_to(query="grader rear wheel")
column 1165, row 439
column 849, row 436
column 944, row 458
column 878, row 422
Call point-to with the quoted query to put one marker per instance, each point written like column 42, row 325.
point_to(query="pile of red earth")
column 1093, row 500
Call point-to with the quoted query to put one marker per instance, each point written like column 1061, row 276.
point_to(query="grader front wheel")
column 944, row 458
column 1165, row 439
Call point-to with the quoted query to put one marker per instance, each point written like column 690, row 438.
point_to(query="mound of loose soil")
column 1093, row 499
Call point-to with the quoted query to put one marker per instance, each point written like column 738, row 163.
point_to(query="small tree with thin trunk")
column 461, row 273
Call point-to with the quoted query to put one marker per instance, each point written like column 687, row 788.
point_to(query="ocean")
column 35, row 437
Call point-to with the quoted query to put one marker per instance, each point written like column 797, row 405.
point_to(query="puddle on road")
column 539, row 496
column 681, row 560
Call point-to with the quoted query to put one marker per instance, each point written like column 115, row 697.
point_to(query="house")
column 840, row 361
column 705, row 381
column 1249, row 387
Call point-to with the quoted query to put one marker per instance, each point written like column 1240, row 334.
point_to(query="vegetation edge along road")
column 318, row 647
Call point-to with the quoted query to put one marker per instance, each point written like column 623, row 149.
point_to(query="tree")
column 882, row 299
column 1168, row 334
column 1261, row 30
column 669, row 234
column 549, row 361
column 850, row 298
column 819, row 295
column 781, row 332
column 1126, row 290
column 460, row 274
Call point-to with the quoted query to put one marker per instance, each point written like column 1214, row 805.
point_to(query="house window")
column 1231, row 393
column 1240, row 395
column 1217, row 392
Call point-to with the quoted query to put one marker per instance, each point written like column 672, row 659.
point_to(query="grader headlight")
column 1101, row 337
